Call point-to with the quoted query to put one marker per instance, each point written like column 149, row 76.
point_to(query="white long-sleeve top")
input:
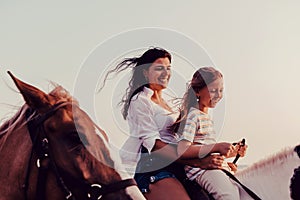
column 147, row 122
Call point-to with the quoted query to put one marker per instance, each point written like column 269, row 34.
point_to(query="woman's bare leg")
column 167, row 188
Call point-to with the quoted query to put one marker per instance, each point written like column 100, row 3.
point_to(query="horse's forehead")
column 76, row 116
column 64, row 116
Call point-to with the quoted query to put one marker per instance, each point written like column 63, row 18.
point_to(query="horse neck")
column 132, row 191
column 270, row 178
column 14, row 130
column 15, row 148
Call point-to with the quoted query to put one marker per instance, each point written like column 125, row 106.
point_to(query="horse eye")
column 77, row 138
column 74, row 137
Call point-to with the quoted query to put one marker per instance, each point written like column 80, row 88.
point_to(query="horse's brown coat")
column 67, row 129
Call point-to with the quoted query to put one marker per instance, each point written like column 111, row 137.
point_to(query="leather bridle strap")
column 41, row 148
column 43, row 165
column 97, row 191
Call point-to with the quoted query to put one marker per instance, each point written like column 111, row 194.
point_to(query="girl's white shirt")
column 147, row 122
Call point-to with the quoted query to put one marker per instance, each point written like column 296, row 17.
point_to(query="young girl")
column 204, row 92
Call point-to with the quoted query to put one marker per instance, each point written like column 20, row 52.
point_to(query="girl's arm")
column 187, row 149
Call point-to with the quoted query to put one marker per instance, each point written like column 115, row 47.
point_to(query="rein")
column 250, row 192
column 45, row 161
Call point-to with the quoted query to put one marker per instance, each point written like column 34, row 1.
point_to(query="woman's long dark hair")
column 137, row 81
column 201, row 78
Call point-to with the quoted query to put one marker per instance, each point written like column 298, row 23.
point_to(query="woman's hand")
column 224, row 148
column 208, row 162
column 232, row 166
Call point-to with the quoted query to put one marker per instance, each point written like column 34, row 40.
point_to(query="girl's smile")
column 210, row 95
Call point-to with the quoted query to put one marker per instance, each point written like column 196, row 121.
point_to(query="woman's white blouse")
column 147, row 122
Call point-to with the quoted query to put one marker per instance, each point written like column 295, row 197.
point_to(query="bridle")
column 45, row 161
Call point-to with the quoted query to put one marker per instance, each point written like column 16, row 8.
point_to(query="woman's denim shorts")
column 143, row 180
column 148, row 170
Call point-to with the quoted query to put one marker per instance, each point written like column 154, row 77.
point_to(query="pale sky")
column 255, row 44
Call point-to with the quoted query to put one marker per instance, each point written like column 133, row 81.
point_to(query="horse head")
column 68, row 147
column 295, row 180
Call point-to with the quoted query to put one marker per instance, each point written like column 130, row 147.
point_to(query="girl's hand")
column 224, row 148
column 241, row 149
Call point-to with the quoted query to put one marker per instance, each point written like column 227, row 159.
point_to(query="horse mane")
column 61, row 94
column 271, row 160
column 10, row 124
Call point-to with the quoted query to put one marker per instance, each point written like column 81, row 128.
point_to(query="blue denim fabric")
column 145, row 179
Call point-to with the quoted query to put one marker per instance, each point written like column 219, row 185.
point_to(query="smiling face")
column 158, row 74
column 210, row 95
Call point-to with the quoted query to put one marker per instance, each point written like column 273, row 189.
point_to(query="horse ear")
column 33, row 96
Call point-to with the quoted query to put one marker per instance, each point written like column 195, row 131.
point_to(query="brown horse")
column 51, row 150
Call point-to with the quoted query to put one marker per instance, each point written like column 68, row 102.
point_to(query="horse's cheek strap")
column 97, row 191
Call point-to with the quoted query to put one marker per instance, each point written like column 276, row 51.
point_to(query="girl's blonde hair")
column 201, row 79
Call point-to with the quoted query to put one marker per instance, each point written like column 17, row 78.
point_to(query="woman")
column 151, row 147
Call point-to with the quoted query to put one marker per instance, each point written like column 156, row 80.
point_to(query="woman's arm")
column 141, row 120
column 188, row 150
column 168, row 151
column 208, row 162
